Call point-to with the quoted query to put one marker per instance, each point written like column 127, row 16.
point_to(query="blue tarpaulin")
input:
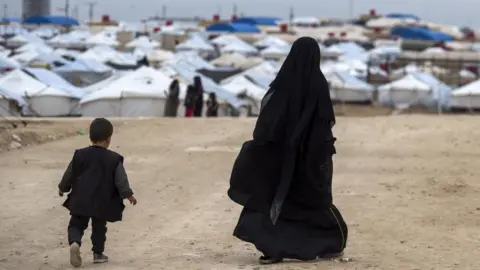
column 233, row 28
column 57, row 20
column 402, row 16
column 266, row 21
column 10, row 20
column 418, row 33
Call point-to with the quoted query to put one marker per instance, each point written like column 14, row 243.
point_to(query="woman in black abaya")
column 198, row 109
column 283, row 177
column 171, row 106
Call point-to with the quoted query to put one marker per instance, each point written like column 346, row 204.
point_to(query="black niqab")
column 174, row 90
column 197, row 84
column 298, row 95
column 299, row 90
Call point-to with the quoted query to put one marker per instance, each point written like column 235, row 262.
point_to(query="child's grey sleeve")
column 67, row 179
column 121, row 181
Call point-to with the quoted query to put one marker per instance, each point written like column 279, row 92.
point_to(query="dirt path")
column 408, row 187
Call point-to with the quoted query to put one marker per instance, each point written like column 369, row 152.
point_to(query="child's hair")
column 100, row 130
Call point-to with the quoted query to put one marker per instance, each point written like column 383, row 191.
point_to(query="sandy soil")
column 407, row 186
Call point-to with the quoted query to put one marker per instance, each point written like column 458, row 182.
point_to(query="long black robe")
column 283, row 177
column 172, row 102
column 199, row 102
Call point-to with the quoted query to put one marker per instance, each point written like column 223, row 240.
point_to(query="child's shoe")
column 99, row 258
column 75, row 258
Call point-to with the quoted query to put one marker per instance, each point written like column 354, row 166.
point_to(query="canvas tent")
column 43, row 100
column 138, row 94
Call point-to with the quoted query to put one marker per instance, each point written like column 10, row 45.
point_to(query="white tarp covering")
column 467, row 96
column 43, row 99
column 140, row 93
column 416, row 89
column 347, row 88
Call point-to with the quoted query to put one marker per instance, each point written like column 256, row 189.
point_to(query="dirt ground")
column 407, row 185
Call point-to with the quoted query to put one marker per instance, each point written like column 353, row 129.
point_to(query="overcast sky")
column 457, row 12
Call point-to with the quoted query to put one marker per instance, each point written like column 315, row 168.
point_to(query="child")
column 98, row 183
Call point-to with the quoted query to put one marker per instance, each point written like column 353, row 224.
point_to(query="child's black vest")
column 94, row 193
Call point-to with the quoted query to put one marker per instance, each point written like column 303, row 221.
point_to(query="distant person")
column 171, row 106
column 189, row 101
column 197, row 84
column 98, row 184
column 283, row 177
column 143, row 62
column 212, row 105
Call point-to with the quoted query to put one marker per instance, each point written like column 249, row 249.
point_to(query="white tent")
column 37, row 47
column 160, row 55
column 140, row 93
column 268, row 41
column 467, row 96
column 105, row 38
column 7, row 63
column 225, row 40
column 275, row 51
column 347, row 88
column 416, row 89
column 195, row 43
column 414, row 68
column 143, row 42
column 305, row 20
column 243, row 85
column 105, row 82
column 10, row 103
column 74, row 38
column 43, row 99
column 24, row 38
column 239, row 47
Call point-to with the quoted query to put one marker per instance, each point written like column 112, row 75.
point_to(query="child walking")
column 98, row 184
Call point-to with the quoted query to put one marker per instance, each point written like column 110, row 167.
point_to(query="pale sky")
column 455, row 12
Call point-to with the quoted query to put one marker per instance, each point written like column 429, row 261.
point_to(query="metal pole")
column 91, row 10
column 164, row 11
column 350, row 6
column 235, row 9
column 67, row 8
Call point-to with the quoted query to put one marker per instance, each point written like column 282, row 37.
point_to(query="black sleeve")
column 121, row 181
column 67, row 179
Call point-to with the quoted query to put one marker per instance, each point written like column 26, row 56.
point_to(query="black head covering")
column 299, row 93
column 213, row 97
column 197, row 83
column 174, row 90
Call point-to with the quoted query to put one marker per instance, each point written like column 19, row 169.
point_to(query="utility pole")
column 67, row 8
column 292, row 15
column 350, row 7
column 75, row 12
column 5, row 11
column 91, row 10
column 164, row 12
column 235, row 9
